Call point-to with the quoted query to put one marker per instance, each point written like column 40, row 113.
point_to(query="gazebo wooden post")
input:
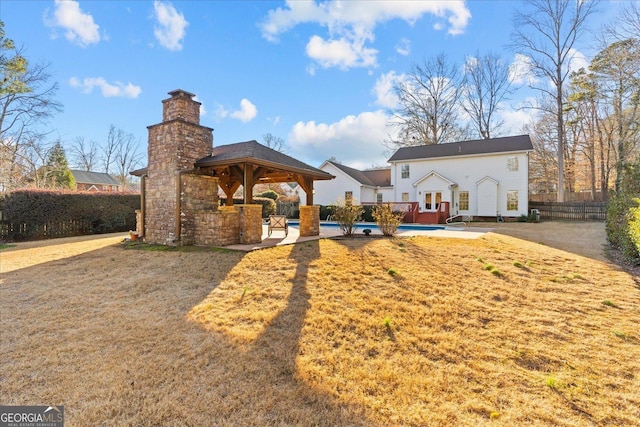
column 248, row 184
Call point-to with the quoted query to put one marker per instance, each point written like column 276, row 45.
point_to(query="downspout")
column 143, row 199
column 179, row 202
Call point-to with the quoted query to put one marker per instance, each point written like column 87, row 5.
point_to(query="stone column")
column 310, row 220
column 250, row 223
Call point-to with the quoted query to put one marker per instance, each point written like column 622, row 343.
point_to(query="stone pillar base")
column 310, row 220
column 250, row 223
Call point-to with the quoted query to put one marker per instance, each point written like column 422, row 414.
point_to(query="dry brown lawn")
column 366, row 331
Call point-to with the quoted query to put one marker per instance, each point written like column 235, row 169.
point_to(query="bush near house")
column 45, row 214
column 387, row 220
column 346, row 216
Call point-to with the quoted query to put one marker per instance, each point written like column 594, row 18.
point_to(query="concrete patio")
column 278, row 238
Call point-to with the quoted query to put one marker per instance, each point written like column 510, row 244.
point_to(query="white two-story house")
column 480, row 178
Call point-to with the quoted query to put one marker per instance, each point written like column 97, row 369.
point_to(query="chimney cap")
column 179, row 92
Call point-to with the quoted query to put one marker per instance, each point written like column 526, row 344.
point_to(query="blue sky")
column 317, row 74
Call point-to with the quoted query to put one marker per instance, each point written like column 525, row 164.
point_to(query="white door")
column 487, row 198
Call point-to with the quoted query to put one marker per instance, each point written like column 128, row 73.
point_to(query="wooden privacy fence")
column 571, row 211
column 49, row 230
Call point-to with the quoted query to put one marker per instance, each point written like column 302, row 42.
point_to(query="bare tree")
column 485, row 85
column 127, row 157
column 275, row 142
column 547, row 34
column 627, row 23
column 428, row 104
column 111, row 147
column 26, row 101
column 617, row 71
column 84, row 154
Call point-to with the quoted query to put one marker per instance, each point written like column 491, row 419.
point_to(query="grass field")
column 415, row 332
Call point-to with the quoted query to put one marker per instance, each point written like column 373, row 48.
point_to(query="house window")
column 432, row 200
column 464, row 201
column 348, row 197
column 405, row 197
column 379, row 198
column 405, row 171
column 512, row 164
column 512, row 200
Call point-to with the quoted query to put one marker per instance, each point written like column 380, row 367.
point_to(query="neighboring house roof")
column 96, row 178
column 464, row 148
column 373, row 177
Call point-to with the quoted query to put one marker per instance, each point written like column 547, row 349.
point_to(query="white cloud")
column 247, row 111
column 171, row 25
column 520, row 70
column 577, row 60
column 357, row 141
column 340, row 53
column 80, row 27
column 404, row 47
column 516, row 118
column 351, row 24
column 221, row 112
column 108, row 90
column 383, row 90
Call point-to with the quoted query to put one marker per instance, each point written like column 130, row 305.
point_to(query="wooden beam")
column 307, row 185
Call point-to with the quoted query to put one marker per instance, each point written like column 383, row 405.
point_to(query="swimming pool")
column 374, row 226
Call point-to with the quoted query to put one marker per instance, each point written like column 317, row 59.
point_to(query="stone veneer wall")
column 217, row 228
column 174, row 145
column 250, row 223
column 199, row 193
column 310, row 220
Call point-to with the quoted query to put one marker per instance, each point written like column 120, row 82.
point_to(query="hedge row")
column 43, row 214
column 329, row 211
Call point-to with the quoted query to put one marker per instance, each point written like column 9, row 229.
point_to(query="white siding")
column 466, row 171
column 329, row 192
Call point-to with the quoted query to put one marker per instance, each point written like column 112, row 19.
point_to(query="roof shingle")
column 464, row 148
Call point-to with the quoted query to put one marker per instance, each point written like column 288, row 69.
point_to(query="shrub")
column 388, row 221
column 325, row 211
column 623, row 216
column 367, row 213
column 269, row 194
column 346, row 216
column 268, row 205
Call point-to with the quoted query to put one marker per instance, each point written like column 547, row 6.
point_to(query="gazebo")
column 179, row 187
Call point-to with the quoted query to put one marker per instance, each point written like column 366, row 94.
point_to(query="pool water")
column 374, row 226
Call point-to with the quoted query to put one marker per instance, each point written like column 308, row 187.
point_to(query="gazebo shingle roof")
column 256, row 153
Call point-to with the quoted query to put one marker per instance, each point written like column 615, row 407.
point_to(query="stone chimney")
column 174, row 145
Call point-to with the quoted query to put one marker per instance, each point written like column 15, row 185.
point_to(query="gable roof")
column 98, row 178
column 464, row 148
column 256, row 153
column 436, row 174
column 373, row 177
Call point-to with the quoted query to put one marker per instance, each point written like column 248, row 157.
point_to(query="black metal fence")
column 571, row 211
